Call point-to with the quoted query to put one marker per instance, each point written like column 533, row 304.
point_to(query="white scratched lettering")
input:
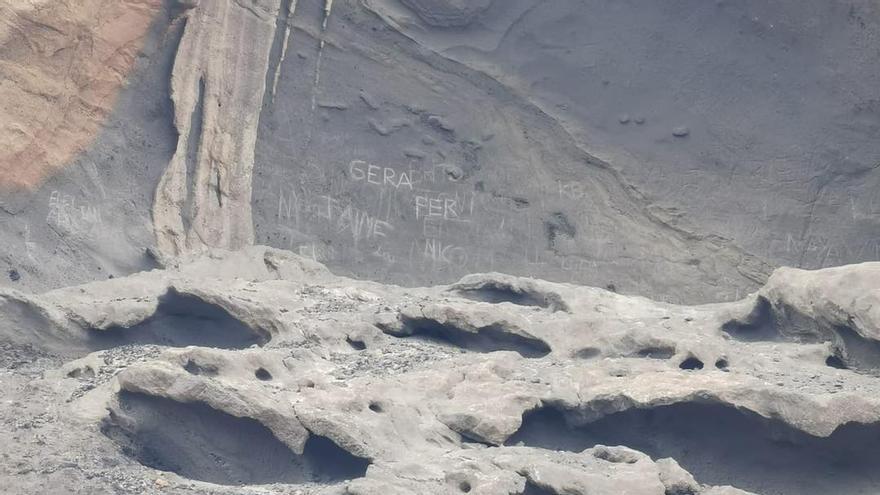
column 66, row 214
column 361, row 171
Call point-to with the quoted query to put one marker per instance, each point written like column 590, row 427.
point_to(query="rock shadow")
column 202, row 443
column 721, row 445
column 181, row 320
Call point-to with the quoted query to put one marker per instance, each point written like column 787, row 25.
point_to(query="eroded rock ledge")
column 259, row 367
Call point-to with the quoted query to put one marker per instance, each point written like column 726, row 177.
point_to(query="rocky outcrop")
column 639, row 149
column 204, row 197
column 494, row 385
column 836, row 297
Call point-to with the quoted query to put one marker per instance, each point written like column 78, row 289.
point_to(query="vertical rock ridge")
column 227, row 45
column 328, row 9
column 288, row 9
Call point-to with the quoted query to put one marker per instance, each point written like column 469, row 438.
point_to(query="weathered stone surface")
column 414, row 404
column 203, row 200
column 380, row 139
column 579, row 172
column 836, row 297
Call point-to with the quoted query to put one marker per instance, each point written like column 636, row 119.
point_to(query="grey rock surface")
column 259, row 371
column 640, row 146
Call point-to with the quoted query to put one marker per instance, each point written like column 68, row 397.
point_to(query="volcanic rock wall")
column 679, row 150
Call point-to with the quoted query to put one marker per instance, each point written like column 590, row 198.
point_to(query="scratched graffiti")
column 445, row 253
column 67, row 214
column 814, row 251
column 384, row 176
column 338, row 215
column 319, row 252
column 417, row 218
column 361, row 224
column 381, row 210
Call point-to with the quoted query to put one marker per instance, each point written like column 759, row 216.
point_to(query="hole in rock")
column 533, row 489
column 375, row 407
column 464, row 486
column 201, row 443
column 498, row 292
column 859, row 353
column 84, row 372
column 721, row 364
column 357, row 345
column 785, row 324
column 835, row 362
column 488, row 339
column 656, row 352
column 263, row 374
column 721, row 445
column 759, row 325
column 181, row 321
column 691, row 363
column 587, row 353
column 195, row 368
column 558, row 226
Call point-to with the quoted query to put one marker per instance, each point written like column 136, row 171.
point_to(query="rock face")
column 638, row 146
column 260, row 367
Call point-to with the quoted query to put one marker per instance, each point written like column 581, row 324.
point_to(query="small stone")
column 623, row 119
column 14, row 275
column 414, row 153
column 369, row 101
column 453, row 172
column 440, row 123
column 639, row 120
column 681, row 131
column 162, row 483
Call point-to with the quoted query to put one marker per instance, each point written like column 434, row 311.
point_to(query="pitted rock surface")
column 343, row 386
